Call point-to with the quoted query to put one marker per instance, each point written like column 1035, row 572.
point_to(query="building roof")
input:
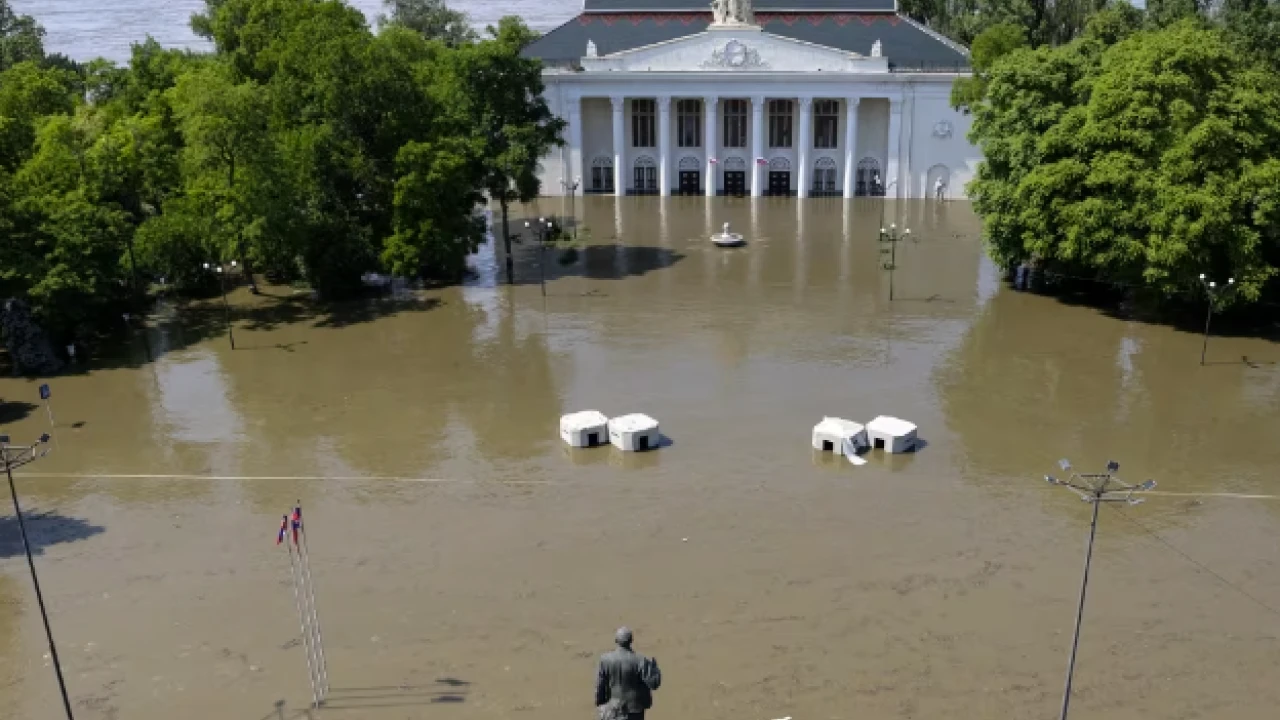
column 622, row 6
column 908, row 45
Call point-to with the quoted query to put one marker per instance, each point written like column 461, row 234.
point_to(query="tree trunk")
column 506, row 243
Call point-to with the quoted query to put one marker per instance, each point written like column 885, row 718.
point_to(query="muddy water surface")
column 469, row 566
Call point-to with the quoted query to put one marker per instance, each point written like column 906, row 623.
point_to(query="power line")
column 1199, row 565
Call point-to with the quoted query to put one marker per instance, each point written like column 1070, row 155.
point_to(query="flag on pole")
column 297, row 523
column 284, row 524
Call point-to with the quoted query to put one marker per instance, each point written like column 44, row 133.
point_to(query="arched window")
column 735, row 163
column 602, row 174
column 824, row 176
column 645, row 176
column 870, row 182
column 779, row 163
column 689, row 162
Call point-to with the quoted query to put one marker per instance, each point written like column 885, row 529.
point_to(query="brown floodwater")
column 470, row 566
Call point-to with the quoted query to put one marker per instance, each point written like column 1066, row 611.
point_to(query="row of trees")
column 306, row 146
column 1139, row 147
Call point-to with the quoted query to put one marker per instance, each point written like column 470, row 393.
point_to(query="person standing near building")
column 625, row 681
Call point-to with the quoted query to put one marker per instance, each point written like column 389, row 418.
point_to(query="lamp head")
column 233, row 263
column 1213, row 284
column 1065, row 464
column 526, row 223
column 1231, row 281
column 1051, row 479
column 542, row 219
column 1147, row 485
column 44, row 438
column 219, row 268
column 206, row 266
column 893, row 226
column 1112, row 466
column 906, row 231
column 1201, row 276
column 881, row 231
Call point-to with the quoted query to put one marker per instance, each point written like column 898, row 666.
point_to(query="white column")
column 850, row 145
column 709, row 142
column 664, row 145
column 575, row 147
column 893, row 154
column 805, row 140
column 619, row 143
column 757, row 145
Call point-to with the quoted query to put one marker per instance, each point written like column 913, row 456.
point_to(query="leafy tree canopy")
column 1149, row 161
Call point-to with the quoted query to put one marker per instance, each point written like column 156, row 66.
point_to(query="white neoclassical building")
column 810, row 98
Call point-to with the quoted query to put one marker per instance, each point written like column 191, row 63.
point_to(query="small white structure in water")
column 892, row 434
column 727, row 239
column 634, row 433
column 588, row 428
column 839, row 436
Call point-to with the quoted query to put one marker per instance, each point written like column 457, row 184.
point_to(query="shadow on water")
column 11, row 412
column 43, row 530
column 594, row 262
column 444, row 691
column 175, row 325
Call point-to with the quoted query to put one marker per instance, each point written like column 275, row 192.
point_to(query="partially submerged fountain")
column 728, row 239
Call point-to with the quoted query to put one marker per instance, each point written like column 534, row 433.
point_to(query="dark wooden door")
column 735, row 182
column 690, row 182
column 779, row 182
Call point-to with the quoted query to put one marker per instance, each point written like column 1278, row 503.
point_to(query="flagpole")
column 306, row 636
column 304, row 553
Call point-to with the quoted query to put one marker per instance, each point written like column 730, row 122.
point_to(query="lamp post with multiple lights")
column 1212, row 290
column 543, row 228
column 1095, row 488
column 893, row 237
column 571, row 189
column 16, row 456
column 222, row 271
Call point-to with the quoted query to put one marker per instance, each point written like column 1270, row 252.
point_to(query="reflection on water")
column 939, row 584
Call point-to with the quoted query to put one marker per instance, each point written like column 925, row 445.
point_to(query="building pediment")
column 734, row 50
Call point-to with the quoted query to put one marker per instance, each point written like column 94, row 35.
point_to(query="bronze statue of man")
column 625, row 681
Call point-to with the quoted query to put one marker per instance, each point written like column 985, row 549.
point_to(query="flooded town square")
column 469, row 565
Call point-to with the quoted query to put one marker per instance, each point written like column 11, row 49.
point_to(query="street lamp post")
column 1211, row 289
column 16, row 456
column 226, row 305
column 571, row 189
column 543, row 230
column 893, row 237
column 1095, row 488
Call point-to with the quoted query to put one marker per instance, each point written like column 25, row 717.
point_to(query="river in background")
column 469, row 565
column 87, row 29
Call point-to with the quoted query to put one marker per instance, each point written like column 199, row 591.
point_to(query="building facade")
column 839, row 98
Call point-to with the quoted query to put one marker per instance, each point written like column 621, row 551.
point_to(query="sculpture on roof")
column 732, row 12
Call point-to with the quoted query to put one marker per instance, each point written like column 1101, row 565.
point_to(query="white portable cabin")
column 839, row 436
column 634, row 433
column 892, row 434
column 588, row 428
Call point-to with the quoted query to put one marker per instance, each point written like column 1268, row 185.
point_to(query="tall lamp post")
column 893, row 237
column 1095, row 488
column 1211, row 289
column 544, row 229
column 16, row 456
column 571, row 188
column 226, row 305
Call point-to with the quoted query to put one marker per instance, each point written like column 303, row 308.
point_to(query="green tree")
column 21, row 38
column 992, row 44
column 437, row 191
column 432, row 18
column 496, row 95
column 228, row 153
column 1150, row 161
